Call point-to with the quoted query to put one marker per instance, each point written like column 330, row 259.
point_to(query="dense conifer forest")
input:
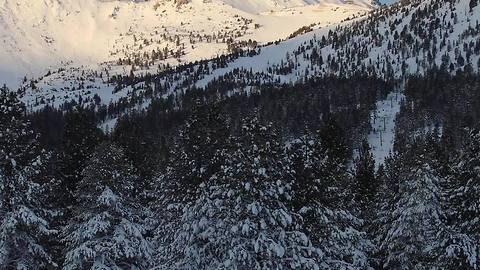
column 265, row 158
column 258, row 180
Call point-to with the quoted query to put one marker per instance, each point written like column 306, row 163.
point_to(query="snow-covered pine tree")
column 365, row 185
column 147, row 151
column 415, row 232
column 314, row 166
column 317, row 198
column 240, row 220
column 332, row 137
column 388, row 194
column 196, row 156
column 463, row 193
column 80, row 137
column 106, row 231
column 18, row 141
column 397, row 166
column 23, row 227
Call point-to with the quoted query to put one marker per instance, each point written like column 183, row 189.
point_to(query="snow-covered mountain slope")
column 392, row 42
column 40, row 35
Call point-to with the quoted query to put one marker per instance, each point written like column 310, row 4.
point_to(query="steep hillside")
column 390, row 43
column 38, row 36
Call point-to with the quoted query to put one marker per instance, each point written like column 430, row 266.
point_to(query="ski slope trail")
column 382, row 136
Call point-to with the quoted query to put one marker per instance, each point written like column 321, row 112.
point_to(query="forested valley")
column 257, row 180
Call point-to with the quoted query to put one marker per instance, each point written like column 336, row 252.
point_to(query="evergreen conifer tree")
column 365, row 183
column 472, row 4
column 23, row 223
column 463, row 191
column 240, row 219
column 80, row 138
column 416, row 232
column 317, row 197
column 106, row 231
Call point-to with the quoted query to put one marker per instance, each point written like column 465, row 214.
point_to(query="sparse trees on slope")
column 105, row 232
